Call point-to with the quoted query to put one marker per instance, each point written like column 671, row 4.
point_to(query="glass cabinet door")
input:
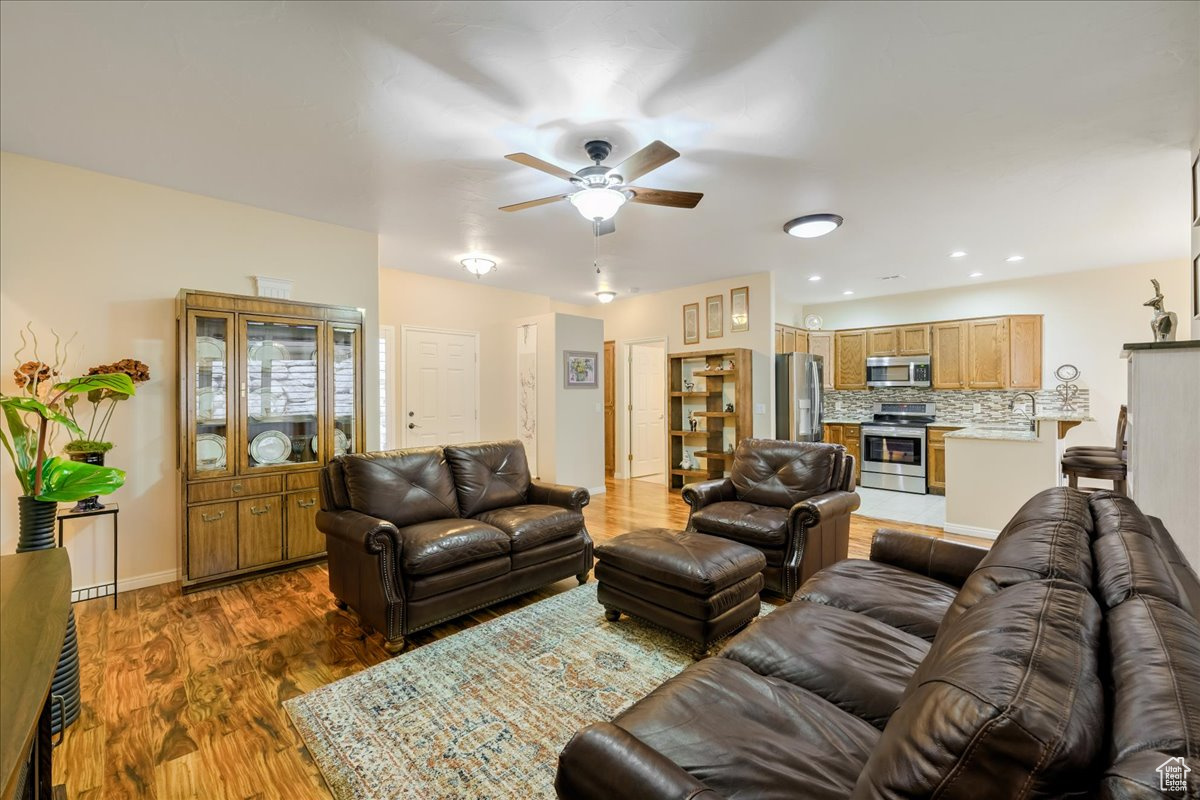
column 346, row 340
column 280, row 392
column 210, row 392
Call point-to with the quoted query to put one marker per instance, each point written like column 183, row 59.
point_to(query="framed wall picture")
column 1196, row 192
column 1195, row 288
column 714, row 316
column 739, row 309
column 579, row 370
column 691, row 323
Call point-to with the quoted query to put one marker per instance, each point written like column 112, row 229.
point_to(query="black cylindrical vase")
column 37, row 533
column 88, row 503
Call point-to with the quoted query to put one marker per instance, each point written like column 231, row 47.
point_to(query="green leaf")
column 33, row 406
column 24, row 445
column 66, row 481
column 115, row 382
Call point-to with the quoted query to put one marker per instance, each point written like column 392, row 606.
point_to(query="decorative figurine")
column 730, row 448
column 689, row 386
column 1165, row 322
column 729, row 364
column 692, row 421
column 1067, row 391
column 729, row 407
column 686, row 462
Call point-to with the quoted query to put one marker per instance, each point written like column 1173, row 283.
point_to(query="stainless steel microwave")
column 898, row 371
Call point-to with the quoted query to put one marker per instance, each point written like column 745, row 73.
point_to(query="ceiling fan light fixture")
column 598, row 204
column 477, row 265
column 811, row 226
column 606, row 296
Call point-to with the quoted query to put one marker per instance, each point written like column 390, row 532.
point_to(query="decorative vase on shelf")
column 89, row 457
column 36, row 532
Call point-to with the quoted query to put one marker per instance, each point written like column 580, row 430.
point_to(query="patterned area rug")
column 485, row 712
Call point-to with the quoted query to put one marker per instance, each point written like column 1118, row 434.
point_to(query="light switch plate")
column 760, row 408
column 837, row 405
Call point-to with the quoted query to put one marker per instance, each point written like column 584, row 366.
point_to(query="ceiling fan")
column 600, row 191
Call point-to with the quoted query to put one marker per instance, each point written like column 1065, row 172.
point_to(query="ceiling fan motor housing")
column 597, row 150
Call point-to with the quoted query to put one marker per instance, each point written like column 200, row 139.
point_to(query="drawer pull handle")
column 262, row 510
column 306, row 503
column 237, row 487
column 213, row 517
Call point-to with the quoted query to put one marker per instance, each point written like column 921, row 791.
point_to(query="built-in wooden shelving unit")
column 720, row 377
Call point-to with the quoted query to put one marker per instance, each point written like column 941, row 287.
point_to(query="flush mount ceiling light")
column 606, row 296
column 598, row 204
column 814, row 277
column 477, row 265
column 958, row 254
column 1015, row 258
column 975, row 275
column 812, row 225
column 848, row 291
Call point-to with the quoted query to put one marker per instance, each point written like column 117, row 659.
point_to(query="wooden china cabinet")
column 269, row 390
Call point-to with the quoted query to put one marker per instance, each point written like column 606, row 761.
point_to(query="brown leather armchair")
column 791, row 500
column 420, row 536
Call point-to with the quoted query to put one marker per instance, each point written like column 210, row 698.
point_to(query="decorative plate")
column 341, row 443
column 1067, row 372
column 813, row 322
column 210, row 451
column 209, row 349
column 271, row 447
column 342, row 353
column 270, row 403
column 205, row 401
column 269, row 351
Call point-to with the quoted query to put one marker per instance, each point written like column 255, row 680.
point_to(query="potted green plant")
column 31, row 419
column 91, row 444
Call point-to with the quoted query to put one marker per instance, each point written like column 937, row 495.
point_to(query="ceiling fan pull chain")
column 596, row 245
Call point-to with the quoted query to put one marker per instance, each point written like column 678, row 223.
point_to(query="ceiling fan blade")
column 606, row 227
column 537, row 163
column 650, row 157
column 665, row 197
column 531, row 203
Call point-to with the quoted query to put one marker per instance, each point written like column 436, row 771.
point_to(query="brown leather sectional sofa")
column 420, row 536
column 1063, row 662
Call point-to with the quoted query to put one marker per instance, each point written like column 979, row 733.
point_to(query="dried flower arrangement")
column 92, row 439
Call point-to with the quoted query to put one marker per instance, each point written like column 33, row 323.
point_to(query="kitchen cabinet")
column 936, row 461
column 1025, row 352
column 850, row 351
column 883, row 342
column 913, row 340
column 987, row 353
column 848, row 435
column 789, row 339
column 820, row 343
column 949, row 355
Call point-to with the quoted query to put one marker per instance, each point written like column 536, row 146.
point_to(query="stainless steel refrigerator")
column 799, row 407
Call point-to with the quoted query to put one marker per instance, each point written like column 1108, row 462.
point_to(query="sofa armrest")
column 815, row 510
column 554, row 494
column 949, row 562
column 371, row 534
column 705, row 493
column 603, row 761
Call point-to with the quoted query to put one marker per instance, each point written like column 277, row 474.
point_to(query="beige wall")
column 1088, row 317
column 661, row 315
column 104, row 256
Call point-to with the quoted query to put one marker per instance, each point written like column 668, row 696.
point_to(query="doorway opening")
column 441, row 386
column 646, row 420
column 610, row 409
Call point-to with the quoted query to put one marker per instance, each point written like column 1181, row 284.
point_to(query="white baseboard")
column 151, row 579
column 971, row 530
column 598, row 490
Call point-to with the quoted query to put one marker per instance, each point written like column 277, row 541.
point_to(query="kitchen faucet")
column 1032, row 408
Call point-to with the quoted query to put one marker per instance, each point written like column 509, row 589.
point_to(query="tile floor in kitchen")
column 923, row 509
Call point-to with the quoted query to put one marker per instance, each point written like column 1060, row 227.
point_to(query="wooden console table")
column 35, row 596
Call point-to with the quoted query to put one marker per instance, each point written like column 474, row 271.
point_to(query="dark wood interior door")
column 610, row 408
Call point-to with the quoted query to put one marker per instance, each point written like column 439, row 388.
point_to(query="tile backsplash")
column 953, row 406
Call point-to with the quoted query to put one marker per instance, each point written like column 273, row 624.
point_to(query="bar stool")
column 1099, row 462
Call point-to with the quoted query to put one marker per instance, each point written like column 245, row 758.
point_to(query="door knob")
column 412, row 425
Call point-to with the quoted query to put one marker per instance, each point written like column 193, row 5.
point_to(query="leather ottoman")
column 699, row 586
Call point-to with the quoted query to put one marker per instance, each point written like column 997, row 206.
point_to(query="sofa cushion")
column 419, row 587
column 859, row 664
column 1009, row 696
column 559, row 548
column 1129, row 563
column 748, row 736
column 489, row 475
column 1154, row 660
column 532, row 526
column 401, row 486
column 913, row 603
column 760, row 526
column 441, row 544
column 1049, row 537
column 694, row 562
column 774, row 472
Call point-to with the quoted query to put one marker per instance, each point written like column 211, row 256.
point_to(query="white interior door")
column 647, row 413
column 440, row 387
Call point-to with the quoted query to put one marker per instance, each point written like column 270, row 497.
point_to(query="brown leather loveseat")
column 420, row 536
column 791, row 500
column 1064, row 662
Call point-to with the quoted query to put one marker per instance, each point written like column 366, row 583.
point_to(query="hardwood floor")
column 182, row 695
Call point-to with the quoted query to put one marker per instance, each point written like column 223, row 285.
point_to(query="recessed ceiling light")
column 814, row 277
column 811, row 226
column 975, row 275
column 848, row 291
column 478, row 265
column 606, row 296
column 958, row 254
column 1015, row 258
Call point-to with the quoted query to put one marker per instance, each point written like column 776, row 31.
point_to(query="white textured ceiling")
column 1056, row 130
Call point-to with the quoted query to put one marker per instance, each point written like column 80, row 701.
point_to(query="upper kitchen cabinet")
column 1025, row 352
column 850, row 371
column 949, row 355
column 883, row 342
column 913, row 340
column 790, row 340
column 987, row 353
column 820, row 343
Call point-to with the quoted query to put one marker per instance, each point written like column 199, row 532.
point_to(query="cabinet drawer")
column 238, row 487
column 300, row 520
column 212, row 540
column 303, row 480
column 260, row 531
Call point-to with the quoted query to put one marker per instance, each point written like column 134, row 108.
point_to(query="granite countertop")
column 1180, row 344
column 995, row 434
column 845, row 420
column 1065, row 416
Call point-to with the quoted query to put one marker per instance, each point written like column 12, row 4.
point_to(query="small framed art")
column 579, row 370
column 691, row 323
column 739, row 309
column 714, row 316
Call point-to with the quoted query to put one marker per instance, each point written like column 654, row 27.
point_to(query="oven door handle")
column 904, row 433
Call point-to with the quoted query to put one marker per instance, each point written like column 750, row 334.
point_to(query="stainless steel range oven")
column 894, row 453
